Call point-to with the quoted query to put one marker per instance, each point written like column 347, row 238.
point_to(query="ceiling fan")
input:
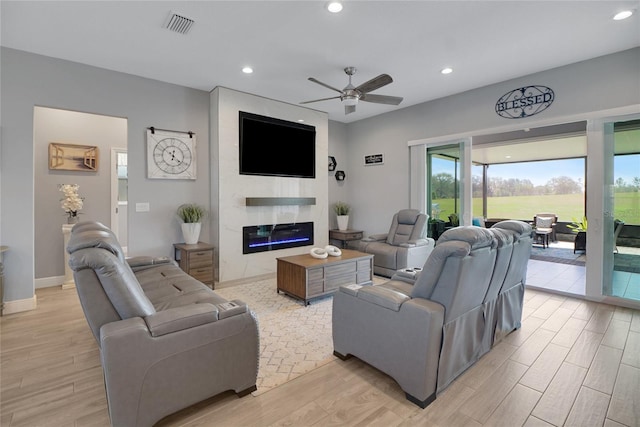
column 350, row 95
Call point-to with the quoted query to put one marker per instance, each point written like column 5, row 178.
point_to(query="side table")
column 345, row 235
column 196, row 260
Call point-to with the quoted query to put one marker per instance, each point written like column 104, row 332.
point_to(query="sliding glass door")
column 446, row 187
column 621, row 220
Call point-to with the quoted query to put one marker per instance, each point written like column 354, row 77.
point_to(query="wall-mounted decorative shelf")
column 280, row 201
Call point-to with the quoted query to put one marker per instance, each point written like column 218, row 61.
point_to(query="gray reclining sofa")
column 425, row 328
column 166, row 340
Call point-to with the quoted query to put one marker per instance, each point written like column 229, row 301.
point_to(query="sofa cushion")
column 423, row 288
column 117, row 279
column 477, row 237
column 95, row 238
column 407, row 225
column 167, row 286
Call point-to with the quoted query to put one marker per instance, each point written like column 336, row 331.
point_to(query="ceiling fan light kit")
column 351, row 95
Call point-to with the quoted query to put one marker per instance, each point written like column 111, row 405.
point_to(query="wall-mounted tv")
column 275, row 147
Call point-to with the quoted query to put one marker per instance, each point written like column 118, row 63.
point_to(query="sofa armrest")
column 140, row 262
column 375, row 238
column 407, row 275
column 378, row 295
column 418, row 242
column 180, row 318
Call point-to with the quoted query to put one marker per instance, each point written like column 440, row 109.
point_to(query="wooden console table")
column 305, row 277
column 345, row 236
column 196, row 260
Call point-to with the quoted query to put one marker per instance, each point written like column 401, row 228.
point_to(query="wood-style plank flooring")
column 573, row 363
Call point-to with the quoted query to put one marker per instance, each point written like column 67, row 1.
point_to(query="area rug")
column 294, row 339
column 558, row 255
column 626, row 262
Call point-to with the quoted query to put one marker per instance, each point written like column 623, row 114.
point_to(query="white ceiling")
column 288, row 41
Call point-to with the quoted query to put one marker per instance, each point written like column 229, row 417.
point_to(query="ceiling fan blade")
column 381, row 99
column 375, row 83
column 318, row 100
column 324, row 84
column 348, row 109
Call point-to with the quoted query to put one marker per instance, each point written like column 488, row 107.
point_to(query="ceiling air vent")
column 178, row 23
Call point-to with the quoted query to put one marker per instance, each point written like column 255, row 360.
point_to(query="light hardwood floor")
column 572, row 363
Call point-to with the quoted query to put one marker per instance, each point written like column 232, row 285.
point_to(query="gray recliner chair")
column 425, row 328
column 405, row 245
column 166, row 340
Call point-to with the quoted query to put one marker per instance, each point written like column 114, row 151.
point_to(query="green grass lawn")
column 566, row 206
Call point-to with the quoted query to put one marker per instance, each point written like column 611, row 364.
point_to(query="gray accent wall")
column 29, row 80
column 376, row 192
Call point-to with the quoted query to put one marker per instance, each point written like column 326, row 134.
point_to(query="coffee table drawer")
column 337, row 281
column 339, row 269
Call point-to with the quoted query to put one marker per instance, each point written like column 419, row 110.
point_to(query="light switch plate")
column 142, row 207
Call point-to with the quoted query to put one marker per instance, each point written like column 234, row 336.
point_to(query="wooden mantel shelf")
column 280, row 201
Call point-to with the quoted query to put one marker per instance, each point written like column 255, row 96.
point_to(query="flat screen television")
column 274, row 147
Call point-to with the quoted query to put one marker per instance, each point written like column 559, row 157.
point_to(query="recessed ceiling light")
column 334, row 6
column 507, row 157
column 447, row 70
column 247, row 70
column 622, row 15
column 301, row 120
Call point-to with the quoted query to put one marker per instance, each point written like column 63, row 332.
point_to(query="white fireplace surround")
column 230, row 190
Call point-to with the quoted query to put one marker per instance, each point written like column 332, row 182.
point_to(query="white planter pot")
column 191, row 232
column 343, row 222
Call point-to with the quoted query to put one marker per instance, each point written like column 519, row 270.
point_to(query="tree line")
column 443, row 186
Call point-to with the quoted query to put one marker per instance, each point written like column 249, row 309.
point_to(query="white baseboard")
column 20, row 305
column 48, row 282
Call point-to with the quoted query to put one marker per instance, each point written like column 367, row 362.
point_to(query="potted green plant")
column 191, row 216
column 580, row 228
column 342, row 213
column 454, row 219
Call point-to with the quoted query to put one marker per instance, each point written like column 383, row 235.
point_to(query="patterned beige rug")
column 294, row 339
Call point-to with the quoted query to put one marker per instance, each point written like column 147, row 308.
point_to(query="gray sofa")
column 166, row 340
column 424, row 328
column 405, row 244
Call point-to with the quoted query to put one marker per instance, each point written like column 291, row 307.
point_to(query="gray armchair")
column 405, row 245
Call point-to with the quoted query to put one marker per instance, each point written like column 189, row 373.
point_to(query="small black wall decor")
column 524, row 102
column 332, row 163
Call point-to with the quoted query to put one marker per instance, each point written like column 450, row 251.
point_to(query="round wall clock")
column 171, row 156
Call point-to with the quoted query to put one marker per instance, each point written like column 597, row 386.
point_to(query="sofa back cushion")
column 106, row 285
column 464, row 282
column 407, row 225
column 85, row 236
column 517, row 270
column 504, row 251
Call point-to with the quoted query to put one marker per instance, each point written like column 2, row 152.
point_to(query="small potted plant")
column 342, row 213
column 580, row 228
column 191, row 216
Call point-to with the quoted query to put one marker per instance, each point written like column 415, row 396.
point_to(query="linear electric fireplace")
column 271, row 237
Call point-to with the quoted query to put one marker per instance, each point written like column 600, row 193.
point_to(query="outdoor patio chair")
column 618, row 227
column 546, row 222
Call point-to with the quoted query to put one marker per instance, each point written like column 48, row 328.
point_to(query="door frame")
column 114, row 205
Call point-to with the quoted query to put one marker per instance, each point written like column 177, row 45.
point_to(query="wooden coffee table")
column 305, row 277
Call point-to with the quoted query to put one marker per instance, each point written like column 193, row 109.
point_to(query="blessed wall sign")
column 524, row 102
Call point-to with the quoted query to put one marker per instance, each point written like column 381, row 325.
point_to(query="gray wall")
column 28, row 80
column 376, row 192
column 70, row 127
column 338, row 148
